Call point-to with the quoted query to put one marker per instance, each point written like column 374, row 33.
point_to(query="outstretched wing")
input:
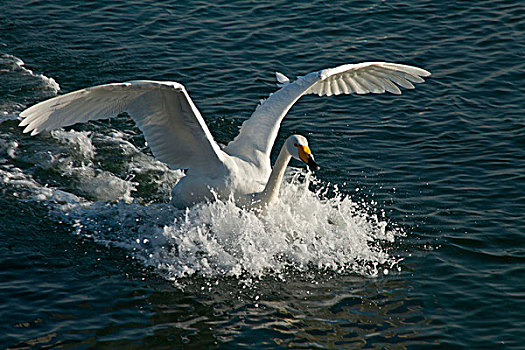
column 172, row 125
column 257, row 135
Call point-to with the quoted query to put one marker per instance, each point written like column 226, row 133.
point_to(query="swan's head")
column 297, row 146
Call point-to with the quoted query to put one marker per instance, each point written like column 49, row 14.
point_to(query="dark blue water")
column 419, row 208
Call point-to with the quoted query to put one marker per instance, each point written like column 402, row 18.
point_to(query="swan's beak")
column 306, row 156
column 312, row 165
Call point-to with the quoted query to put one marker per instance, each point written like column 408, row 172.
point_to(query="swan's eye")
column 295, row 145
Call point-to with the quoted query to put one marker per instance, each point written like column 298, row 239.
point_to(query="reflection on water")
column 298, row 313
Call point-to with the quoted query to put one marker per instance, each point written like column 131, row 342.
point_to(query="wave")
column 19, row 84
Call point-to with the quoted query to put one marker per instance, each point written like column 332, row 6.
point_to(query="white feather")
column 258, row 133
column 177, row 135
column 281, row 79
column 163, row 111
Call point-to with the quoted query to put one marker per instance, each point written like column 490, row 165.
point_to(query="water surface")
column 410, row 236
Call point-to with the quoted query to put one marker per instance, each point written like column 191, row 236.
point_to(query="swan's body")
column 177, row 134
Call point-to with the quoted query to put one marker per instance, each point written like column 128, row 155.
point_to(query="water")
column 410, row 236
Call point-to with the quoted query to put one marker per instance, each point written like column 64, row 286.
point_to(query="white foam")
column 80, row 141
column 29, row 189
column 98, row 184
column 11, row 151
column 305, row 232
column 13, row 63
column 21, row 86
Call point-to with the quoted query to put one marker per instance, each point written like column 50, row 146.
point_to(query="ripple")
column 443, row 162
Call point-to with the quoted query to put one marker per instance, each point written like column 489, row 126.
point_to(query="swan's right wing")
column 258, row 134
column 172, row 126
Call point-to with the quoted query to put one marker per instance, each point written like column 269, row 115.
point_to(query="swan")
column 178, row 136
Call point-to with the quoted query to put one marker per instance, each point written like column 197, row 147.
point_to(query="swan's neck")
column 271, row 191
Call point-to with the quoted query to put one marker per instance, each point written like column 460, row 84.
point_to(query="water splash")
column 303, row 232
column 321, row 230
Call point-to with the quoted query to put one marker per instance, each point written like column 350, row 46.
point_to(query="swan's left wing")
column 257, row 135
column 172, row 126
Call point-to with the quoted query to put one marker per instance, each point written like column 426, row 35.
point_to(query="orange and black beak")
column 306, row 156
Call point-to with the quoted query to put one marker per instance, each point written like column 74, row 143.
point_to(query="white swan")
column 177, row 134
